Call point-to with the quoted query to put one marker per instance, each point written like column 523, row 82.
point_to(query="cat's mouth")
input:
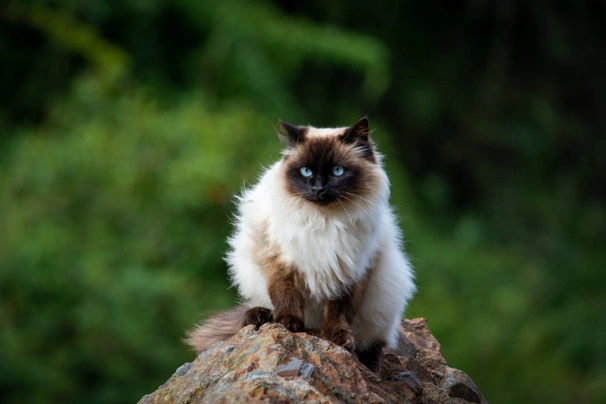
column 322, row 200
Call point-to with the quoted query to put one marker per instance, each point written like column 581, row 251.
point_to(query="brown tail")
column 219, row 327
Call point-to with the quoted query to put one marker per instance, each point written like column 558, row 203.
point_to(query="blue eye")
column 337, row 171
column 305, row 172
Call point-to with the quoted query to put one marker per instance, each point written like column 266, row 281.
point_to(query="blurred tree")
column 231, row 49
column 107, row 222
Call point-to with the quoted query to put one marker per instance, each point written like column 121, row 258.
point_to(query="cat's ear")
column 291, row 135
column 357, row 133
column 357, row 136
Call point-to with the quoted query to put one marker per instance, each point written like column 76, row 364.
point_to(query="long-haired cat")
column 317, row 246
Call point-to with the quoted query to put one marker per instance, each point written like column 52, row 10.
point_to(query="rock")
column 274, row 365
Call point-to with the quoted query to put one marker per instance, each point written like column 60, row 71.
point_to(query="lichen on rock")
column 272, row 364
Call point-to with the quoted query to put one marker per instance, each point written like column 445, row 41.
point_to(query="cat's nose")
column 318, row 189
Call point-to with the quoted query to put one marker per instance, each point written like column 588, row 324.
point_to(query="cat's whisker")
column 366, row 200
column 353, row 201
column 364, row 212
column 345, row 210
column 354, row 195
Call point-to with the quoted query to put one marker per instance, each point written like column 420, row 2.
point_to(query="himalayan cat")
column 317, row 246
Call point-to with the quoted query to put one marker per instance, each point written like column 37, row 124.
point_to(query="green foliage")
column 231, row 48
column 127, row 127
column 113, row 227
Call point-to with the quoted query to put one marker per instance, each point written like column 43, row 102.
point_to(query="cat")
column 317, row 246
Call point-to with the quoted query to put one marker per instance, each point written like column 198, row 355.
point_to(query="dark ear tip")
column 294, row 133
column 362, row 121
column 362, row 125
column 287, row 127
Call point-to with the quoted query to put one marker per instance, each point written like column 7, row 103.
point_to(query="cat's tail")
column 218, row 327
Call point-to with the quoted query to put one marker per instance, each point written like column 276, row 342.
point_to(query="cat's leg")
column 287, row 293
column 338, row 315
column 256, row 316
column 372, row 356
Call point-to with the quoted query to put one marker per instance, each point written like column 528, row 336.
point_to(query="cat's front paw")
column 256, row 316
column 292, row 323
column 340, row 336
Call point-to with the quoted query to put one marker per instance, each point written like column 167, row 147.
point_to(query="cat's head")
column 328, row 166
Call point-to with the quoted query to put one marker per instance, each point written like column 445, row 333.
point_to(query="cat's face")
column 329, row 166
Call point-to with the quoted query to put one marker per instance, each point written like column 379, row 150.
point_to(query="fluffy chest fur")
column 331, row 248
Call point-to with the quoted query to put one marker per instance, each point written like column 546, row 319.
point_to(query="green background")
column 127, row 127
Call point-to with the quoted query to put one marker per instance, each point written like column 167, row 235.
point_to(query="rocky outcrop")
column 276, row 366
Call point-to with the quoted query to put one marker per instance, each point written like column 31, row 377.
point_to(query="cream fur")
column 332, row 247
